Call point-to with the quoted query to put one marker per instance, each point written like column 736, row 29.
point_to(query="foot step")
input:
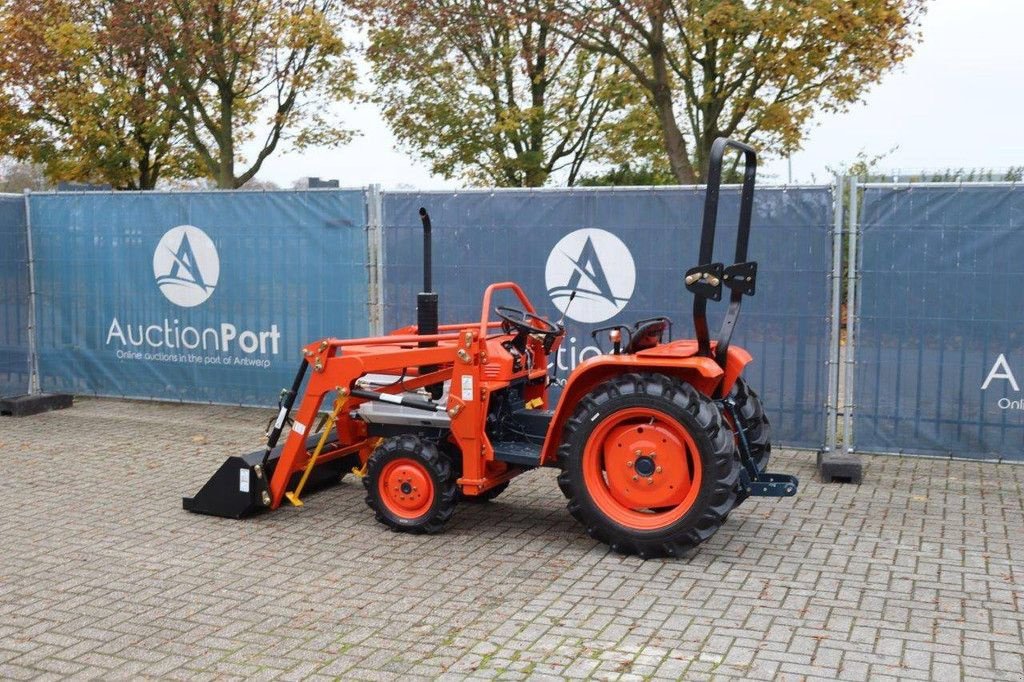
column 517, row 452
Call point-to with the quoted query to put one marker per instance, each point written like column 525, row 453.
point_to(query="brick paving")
column 916, row 574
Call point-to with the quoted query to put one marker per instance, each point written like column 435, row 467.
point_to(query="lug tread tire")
column 707, row 427
column 439, row 466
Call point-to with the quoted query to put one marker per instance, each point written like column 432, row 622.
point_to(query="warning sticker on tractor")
column 467, row 387
column 299, row 428
column 243, row 480
column 281, row 416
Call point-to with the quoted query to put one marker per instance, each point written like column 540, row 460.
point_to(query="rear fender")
column 736, row 360
column 703, row 373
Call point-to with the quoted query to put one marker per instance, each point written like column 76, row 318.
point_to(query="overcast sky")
column 957, row 102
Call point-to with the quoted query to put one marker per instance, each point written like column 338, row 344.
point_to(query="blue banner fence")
column 625, row 252
column 209, row 296
column 205, row 296
column 15, row 363
column 939, row 335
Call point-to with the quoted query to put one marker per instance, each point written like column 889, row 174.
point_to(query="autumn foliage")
column 250, row 69
column 755, row 70
column 128, row 92
column 493, row 92
column 79, row 95
column 487, row 90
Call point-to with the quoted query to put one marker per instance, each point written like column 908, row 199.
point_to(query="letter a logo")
column 598, row 266
column 186, row 266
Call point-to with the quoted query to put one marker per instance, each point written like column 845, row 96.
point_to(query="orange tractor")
column 656, row 441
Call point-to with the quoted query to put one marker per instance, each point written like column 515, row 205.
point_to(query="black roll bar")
column 706, row 280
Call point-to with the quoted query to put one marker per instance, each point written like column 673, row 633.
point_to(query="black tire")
column 755, row 426
column 485, row 496
column 703, row 421
column 436, row 469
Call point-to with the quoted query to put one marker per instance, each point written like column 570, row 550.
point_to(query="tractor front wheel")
column 649, row 465
column 410, row 486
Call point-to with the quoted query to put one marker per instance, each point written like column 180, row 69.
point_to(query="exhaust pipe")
column 426, row 303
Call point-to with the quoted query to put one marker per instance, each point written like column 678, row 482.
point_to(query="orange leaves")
column 79, row 100
column 127, row 91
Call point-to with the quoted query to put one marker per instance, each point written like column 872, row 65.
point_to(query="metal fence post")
column 834, row 465
column 375, row 258
column 33, row 352
column 836, row 285
column 852, row 276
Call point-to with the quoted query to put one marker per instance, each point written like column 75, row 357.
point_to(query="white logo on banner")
column 186, row 266
column 598, row 266
column 1001, row 370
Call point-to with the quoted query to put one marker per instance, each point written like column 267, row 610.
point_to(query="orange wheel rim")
column 405, row 488
column 642, row 468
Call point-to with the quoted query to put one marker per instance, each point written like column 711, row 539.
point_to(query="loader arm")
column 336, row 366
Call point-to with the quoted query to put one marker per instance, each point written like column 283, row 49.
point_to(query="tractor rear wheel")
column 753, row 422
column 649, row 465
column 410, row 486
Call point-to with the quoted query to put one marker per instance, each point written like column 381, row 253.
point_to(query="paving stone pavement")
column 916, row 574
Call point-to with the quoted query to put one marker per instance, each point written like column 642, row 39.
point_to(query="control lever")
column 561, row 320
column 553, row 379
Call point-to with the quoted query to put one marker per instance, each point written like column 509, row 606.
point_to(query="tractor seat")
column 647, row 334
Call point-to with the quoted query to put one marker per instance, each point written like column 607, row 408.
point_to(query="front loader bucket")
column 240, row 487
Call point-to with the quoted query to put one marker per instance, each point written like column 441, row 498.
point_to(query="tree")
column 239, row 70
column 863, row 165
column 78, row 95
column 488, row 90
column 628, row 175
column 17, row 176
column 756, row 70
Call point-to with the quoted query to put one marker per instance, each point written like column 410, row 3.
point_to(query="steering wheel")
column 526, row 323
